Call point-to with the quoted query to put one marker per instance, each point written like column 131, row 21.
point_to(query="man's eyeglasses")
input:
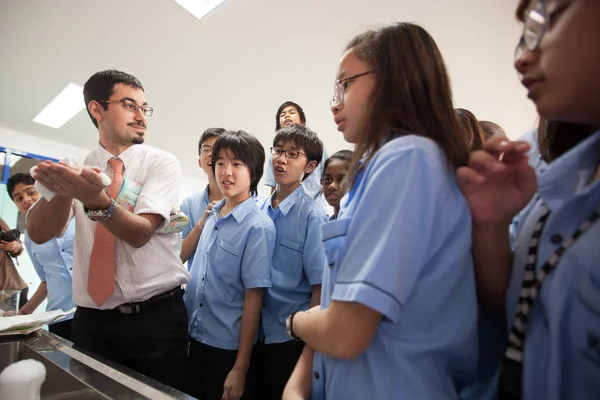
column 340, row 86
column 132, row 106
column 534, row 28
column 293, row 154
column 205, row 149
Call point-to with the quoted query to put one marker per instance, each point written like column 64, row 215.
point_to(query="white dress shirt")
column 153, row 268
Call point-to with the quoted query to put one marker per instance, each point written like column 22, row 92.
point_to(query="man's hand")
column 233, row 389
column 83, row 184
column 12, row 247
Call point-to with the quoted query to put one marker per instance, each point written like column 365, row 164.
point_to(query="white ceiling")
column 234, row 67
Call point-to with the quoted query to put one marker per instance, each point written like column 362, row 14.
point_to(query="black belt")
column 136, row 308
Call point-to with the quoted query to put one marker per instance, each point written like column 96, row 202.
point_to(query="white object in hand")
column 49, row 194
column 22, row 380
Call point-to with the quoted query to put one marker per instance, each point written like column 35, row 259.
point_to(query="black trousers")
column 62, row 328
column 153, row 342
column 274, row 364
column 207, row 370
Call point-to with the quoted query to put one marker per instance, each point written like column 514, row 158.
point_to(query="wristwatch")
column 289, row 327
column 101, row 215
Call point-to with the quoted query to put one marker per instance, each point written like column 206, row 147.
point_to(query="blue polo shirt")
column 298, row 260
column 402, row 247
column 233, row 255
column 53, row 263
column 562, row 342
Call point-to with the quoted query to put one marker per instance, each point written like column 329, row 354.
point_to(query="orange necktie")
column 101, row 276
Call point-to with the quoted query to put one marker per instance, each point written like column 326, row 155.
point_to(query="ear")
column 200, row 162
column 310, row 167
column 96, row 110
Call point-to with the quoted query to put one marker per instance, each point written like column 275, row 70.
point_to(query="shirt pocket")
column 334, row 239
column 227, row 260
column 290, row 253
column 585, row 339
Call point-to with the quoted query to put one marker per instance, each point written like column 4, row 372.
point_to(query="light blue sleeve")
column 388, row 239
column 313, row 254
column 186, row 208
column 258, row 255
column 36, row 265
column 270, row 173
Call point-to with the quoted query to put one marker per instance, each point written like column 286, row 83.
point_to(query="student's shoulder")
column 258, row 219
column 309, row 207
column 410, row 147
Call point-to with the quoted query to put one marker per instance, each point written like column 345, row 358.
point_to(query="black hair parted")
column 343, row 155
column 209, row 133
column 302, row 138
column 100, row 87
column 284, row 106
column 16, row 179
column 245, row 148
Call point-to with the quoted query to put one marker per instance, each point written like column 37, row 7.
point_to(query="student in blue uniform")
column 335, row 170
column 195, row 204
column 287, row 114
column 299, row 256
column 229, row 274
column 548, row 286
column 52, row 261
column 398, row 315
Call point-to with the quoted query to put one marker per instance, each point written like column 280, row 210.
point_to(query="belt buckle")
column 132, row 309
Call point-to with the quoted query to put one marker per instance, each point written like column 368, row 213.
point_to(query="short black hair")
column 282, row 107
column 245, row 148
column 343, row 155
column 100, row 87
column 302, row 138
column 16, row 179
column 209, row 133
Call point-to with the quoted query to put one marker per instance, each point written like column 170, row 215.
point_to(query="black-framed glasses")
column 534, row 28
column 293, row 154
column 132, row 106
column 340, row 86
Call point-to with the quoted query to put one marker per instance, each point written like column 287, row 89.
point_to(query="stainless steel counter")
column 71, row 374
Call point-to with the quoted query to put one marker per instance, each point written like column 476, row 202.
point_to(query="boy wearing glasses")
column 127, row 277
column 298, row 259
column 195, row 205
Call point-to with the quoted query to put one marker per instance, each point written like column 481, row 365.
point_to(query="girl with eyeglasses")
column 548, row 286
column 398, row 315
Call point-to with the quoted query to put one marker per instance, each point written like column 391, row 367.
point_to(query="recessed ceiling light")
column 63, row 107
column 199, row 8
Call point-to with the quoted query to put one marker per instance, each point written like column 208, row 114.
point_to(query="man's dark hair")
column 302, row 138
column 16, row 179
column 245, row 148
column 285, row 105
column 209, row 133
column 100, row 87
column 343, row 155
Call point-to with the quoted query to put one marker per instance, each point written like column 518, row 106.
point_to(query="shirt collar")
column 286, row 205
column 570, row 175
column 102, row 156
column 239, row 212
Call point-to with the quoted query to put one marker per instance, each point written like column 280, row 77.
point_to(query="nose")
column 140, row 116
column 226, row 170
column 335, row 109
column 523, row 59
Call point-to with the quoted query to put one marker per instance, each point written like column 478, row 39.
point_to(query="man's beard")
column 137, row 140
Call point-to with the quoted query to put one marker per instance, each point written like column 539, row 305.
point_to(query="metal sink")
column 59, row 384
column 71, row 374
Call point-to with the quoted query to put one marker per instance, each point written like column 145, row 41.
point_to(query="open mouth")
column 227, row 183
column 280, row 170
